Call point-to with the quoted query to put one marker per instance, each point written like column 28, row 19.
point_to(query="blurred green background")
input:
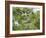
column 25, row 18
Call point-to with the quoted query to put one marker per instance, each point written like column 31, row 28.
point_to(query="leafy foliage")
column 25, row 19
